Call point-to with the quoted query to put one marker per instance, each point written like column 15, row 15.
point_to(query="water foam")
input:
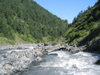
column 65, row 63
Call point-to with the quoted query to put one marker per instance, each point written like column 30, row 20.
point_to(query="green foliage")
column 4, row 40
column 29, row 20
column 85, row 27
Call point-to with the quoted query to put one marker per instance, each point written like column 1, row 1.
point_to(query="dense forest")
column 25, row 21
column 85, row 29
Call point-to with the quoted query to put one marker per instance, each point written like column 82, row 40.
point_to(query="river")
column 65, row 63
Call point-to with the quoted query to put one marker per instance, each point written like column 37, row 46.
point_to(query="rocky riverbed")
column 17, row 58
column 63, row 62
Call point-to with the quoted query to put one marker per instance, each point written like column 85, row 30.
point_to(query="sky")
column 66, row 9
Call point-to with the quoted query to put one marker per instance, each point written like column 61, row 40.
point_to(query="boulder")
column 98, row 62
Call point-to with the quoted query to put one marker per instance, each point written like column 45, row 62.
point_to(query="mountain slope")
column 85, row 29
column 25, row 20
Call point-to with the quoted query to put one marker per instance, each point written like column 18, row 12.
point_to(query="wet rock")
column 55, row 54
column 45, row 52
column 72, row 49
column 98, row 62
column 64, row 49
column 46, row 44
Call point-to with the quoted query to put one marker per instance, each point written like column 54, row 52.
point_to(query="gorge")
column 33, row 41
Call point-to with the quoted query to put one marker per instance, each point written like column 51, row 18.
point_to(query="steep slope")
column 85, row 29
column 25, row 20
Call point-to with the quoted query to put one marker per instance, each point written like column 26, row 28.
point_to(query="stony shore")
column 17, row 58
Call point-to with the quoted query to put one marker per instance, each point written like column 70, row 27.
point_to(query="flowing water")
column 65, row 63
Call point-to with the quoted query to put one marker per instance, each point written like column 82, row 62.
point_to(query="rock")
column 20, row 59
column 55, row 54
column 72, row 49
column 45, row 52
column 46, row 44
column 64, row 49
column 98, row 62
column 8, row 67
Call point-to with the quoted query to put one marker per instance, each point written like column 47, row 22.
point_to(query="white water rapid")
column 65, row 63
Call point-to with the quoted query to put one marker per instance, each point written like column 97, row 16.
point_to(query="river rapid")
column 65, row 63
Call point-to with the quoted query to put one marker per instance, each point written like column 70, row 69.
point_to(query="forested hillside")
column 25, row 21
column 85, row 29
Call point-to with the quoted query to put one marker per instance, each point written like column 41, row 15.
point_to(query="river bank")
column 18, row 57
